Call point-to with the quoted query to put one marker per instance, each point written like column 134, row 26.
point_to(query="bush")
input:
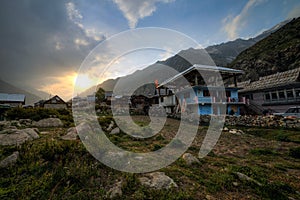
column 295, row 152
column 37, row 114
column 262, row 152
column 282, row 137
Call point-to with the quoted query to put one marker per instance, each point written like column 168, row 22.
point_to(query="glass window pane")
column 289, row 94
column 274, row 95
column 281, row 95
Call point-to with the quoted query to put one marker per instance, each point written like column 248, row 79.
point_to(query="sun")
column 83, row 82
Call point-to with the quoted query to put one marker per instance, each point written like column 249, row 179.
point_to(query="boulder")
column 236, row 132
column 190, row 159
column 244, row 177
column 115, row 131
column 18, row 136
column 25, row 122
column 10, row 160
column 49, row 122
column 71, row 134
column 157, row 180
column 4, row 124
column 111, row 125
column 116, row 190
column 15, row 123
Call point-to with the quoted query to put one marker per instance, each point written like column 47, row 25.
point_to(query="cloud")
column 134, row 10
column 42, row 39
column 294, row 13
column 232, row 24
column 62, row 85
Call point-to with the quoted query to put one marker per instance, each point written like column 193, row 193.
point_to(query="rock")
column 19, row 136
column 190, row 159
column 12, row 127
column 111, row 125
column 32, row 132
column 116, row 190
column 115, row 131
column 15, row 123
column 10, row 160
column 49, row 122
column 71, row 134
column 85, row 129
column 4, row 124
column 209, row 197
column 157, row 180
column 45, row 132
column 244, row 177
column 25, row 122
column 236, row 132
column 235, row 184
column 225, row 129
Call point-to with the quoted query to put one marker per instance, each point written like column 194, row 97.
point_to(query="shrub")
column 282, row 137
column 295, row 152
column 262, row 152
column 37, row 114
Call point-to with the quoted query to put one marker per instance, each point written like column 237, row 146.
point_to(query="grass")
column 50, row 168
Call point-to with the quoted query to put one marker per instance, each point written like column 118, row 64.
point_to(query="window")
column 206, row 93
column 228, row 93
column 267, row 97
column 281, row 95
column 297, row 92
column 290, row 94
column 274, row 96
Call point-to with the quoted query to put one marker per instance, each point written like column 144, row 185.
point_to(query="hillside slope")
column 8, row 88
column 278, row 52
column 225, row 53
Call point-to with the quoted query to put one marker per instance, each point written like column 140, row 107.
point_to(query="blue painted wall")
column 206, row 109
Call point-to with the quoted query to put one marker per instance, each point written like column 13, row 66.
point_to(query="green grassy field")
column 51, row 168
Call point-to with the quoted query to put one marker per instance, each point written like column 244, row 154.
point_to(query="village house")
column 207, row 99
column 54, row 102
column 274, row 93
column 12, row 100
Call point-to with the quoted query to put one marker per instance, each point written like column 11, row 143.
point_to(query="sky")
column 43, row 43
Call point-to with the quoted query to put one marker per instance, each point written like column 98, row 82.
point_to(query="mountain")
column 8, row 88
column 220, row 55
column 225, row 53
column 278, row 52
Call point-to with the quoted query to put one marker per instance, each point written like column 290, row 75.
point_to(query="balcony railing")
column 230, row 100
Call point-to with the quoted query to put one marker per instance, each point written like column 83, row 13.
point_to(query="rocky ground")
column 44, row 160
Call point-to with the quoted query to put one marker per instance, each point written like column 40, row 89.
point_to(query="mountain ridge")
column 11, row 89
column 278, row 52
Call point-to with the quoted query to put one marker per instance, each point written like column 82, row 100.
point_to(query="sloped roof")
column 272, row 81
column 207, row 68
column 56, row 99
column 12, row 97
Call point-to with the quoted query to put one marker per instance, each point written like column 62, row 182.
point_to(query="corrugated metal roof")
column 12, row 97
column 203, row 68
column 272, row 81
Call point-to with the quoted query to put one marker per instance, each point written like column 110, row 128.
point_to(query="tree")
column 100, row 95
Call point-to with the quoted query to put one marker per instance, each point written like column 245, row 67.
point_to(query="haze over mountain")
column 278, row 52
column 225, row 53
column 8, row 88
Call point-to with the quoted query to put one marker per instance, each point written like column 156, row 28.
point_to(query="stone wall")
column 269, row 121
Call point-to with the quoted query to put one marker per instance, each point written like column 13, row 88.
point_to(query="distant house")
column 207, row 99
column 91, row 98
column 13, row 100
column 275, row 92
column 55, row 103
